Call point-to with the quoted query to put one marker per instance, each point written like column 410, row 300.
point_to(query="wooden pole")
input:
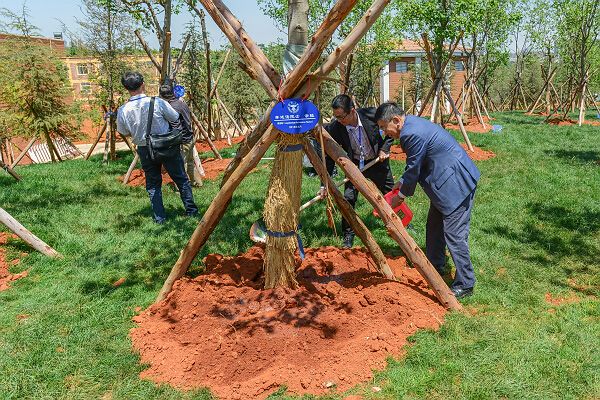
column 132, row 166
column 206, row 136
column 460, row 122
column 179, row 60
column 87, row 156
column 249, row 57
column 349, row 213
column 9, row 170
column 26, row 235
column 23, row 153
column 147, row 49
column 392, row 222
column 337, row 56
column 216, row 210
column 214, row 88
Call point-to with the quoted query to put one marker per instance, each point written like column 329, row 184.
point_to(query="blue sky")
column 46, row 13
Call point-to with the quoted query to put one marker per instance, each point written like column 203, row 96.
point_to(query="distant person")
column 357, row 132
column 436, row 161
column 132, row 120
column 184, row 124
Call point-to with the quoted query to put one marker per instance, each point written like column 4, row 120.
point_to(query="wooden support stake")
column 206, row 136
column 23, row 153
column 10, row 171
column 392, row 222
column 216, row 210
column 147, row 49
column 350, row 214
column 460, row 122
column 27, row 236
column 132, row 166
column 87, row 156
column 214, row 88
column 338, row 55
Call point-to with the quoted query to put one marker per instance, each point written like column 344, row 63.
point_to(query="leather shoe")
column 348, row 240
column 462, row 293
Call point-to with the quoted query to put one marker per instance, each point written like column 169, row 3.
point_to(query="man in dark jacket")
column 357, row 132
column 185, row 125
column 435, row 160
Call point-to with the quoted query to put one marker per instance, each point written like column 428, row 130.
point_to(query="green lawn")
column 535, row 230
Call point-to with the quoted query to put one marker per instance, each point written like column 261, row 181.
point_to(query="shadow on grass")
column 580, row 157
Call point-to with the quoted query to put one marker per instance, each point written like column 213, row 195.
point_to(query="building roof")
column 57, row 45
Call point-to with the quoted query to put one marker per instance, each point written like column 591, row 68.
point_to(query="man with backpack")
column 144, row 118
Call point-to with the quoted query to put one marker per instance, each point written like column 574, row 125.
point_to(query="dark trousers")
column 382, row 177
column 176, row 170
column 453, row 231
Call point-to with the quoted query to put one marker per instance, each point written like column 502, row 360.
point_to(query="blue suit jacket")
column 435, row 160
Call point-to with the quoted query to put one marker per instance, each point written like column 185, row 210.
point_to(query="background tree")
column 578, row 29
column 34, row 89
column 106, row 35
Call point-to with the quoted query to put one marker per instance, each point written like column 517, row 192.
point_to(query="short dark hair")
column 132, row 80
column 342, row 101
column 387, row 111
column 166, row 92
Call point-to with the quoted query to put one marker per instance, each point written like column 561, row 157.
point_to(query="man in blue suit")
column 435, row 160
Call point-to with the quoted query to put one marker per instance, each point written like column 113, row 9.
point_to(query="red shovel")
column 402, row 207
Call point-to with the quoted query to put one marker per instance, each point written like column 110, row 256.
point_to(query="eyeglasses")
column 341, row 117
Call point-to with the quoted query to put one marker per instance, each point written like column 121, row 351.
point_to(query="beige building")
column 398, row 74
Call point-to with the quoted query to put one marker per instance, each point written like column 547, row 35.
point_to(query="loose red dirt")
column 219, row 144
column 5, row 276
column 478, row 154
column 569, row 122
column 473, row 125
column 222, row 331
column 212, row 168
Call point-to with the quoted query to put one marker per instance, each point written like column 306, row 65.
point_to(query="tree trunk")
column 282, row 204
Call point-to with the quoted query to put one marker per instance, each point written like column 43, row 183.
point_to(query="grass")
column 535, row 230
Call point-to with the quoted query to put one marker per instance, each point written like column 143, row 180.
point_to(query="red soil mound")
column 5, row 276
column 568, row 122
column 473, row 125
column 478, row 154
column 221, row 331
column 212, row 168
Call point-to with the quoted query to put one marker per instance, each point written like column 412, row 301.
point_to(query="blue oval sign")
column 179, row 91
column 295, row 116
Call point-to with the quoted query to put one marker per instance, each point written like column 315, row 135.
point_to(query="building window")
column 401, row 66
column 82, row 69
column 459, row 66
column 85, row 88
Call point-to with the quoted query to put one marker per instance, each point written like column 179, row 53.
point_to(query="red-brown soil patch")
column 559, row 300
column 473, row 125
column 568, row 122
column 478, row 154
column 221, row 330
column 5, row 276
column 212, row 168
column 219, row 144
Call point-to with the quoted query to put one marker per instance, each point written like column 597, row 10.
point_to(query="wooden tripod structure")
column 439, row 89
column 300, row 82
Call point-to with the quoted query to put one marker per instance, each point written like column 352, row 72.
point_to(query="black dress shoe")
column 348, row 240
column 462, row 293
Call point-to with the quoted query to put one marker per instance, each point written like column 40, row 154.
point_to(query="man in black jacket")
column 185, row 125
column 357, row 132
